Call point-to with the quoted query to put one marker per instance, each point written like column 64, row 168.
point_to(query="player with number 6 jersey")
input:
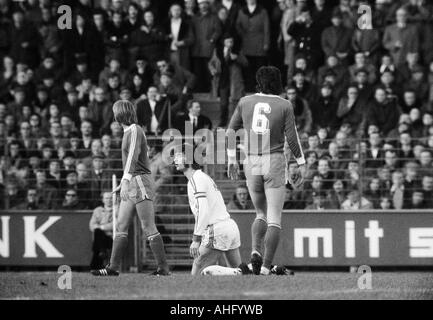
column 269, row 124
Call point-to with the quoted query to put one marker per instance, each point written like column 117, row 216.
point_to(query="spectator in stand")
column 337, row 39
column 227, row 66
column 426, row 163
column 86, row 129
column 302, row 111
column 350, row 111
column 418, row 83
column 48, row 196
column 152, row 113
column 207, row 30
column 13, row 194
column 383, row 112
column 368, row 42
column 172, row 91
column 100, row 178
column 320, row 202
column 71, row 201
column 83, row 39
column 240, row 200
column 337, row 195
column 194, row 119
column 253, row 27
column 373, row 192
column 55, row 178
column 24, row 40
column 149, row 40
column 355, row 201
column 326, row 173
column 361, row 63
column 427, row 188
column 374, row 155
column 417, row 200
column 114, row 67
column 398, row 192
column 181, row 37
column 324, row 109
column 335, row 67
column 401, row 38
column 305, row 89
column 101, row 225
column 305, row 38
column 31, row 201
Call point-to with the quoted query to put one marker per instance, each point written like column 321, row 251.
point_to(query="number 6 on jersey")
column 260, row 123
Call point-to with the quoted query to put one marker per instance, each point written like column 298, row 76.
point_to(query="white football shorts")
column 223, row 236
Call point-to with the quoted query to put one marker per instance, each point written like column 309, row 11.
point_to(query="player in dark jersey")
column 137, row 191
column 270, row 135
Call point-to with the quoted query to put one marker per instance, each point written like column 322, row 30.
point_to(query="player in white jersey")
column 215, row 233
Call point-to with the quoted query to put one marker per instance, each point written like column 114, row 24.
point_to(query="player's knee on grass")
column 207, row 258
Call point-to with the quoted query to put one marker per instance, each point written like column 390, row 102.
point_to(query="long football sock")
column 271, row 243
column 157, row 246
column 258, row 232
column 119, row 247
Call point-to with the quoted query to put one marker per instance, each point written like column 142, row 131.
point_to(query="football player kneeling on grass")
column 215, row 233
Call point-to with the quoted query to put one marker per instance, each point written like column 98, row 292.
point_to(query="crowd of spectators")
column 363, row 97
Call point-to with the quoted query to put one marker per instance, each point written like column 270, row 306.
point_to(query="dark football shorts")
column 265, row 172
column 141, row 188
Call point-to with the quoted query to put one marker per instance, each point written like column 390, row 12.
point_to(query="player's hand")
column 124, row 188
column 233, row 170
column 297, row 178
column 194, row 249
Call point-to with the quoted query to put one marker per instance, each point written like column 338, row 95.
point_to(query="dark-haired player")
column 215, row 233
column 269, row 122
column 137, row 191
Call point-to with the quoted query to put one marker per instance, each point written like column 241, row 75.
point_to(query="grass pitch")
column 304, row 285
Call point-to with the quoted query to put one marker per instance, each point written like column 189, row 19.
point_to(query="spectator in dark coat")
column 367, row 41
column 307, row 34
column 152, row 112
column 401, row 38
column 117, row 37
column 207, row 30
column 100, row 111
column 31, row 202
column 337, row 39
column 180, row 35
column 301, row 108
column 350, row 111
column 71, row 201
column 100, row 178
column 253, row 27
column 382, row 112
column 25, row 41
column 193, row 118
column 324, row 109
column 83, row 39
column 148, row 41
column 226, row 67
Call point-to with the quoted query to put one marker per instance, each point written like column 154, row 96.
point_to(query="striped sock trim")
column 256, row 252
column 122, row 235
column 274, row 225
column 262, row 219
column 153, row 236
